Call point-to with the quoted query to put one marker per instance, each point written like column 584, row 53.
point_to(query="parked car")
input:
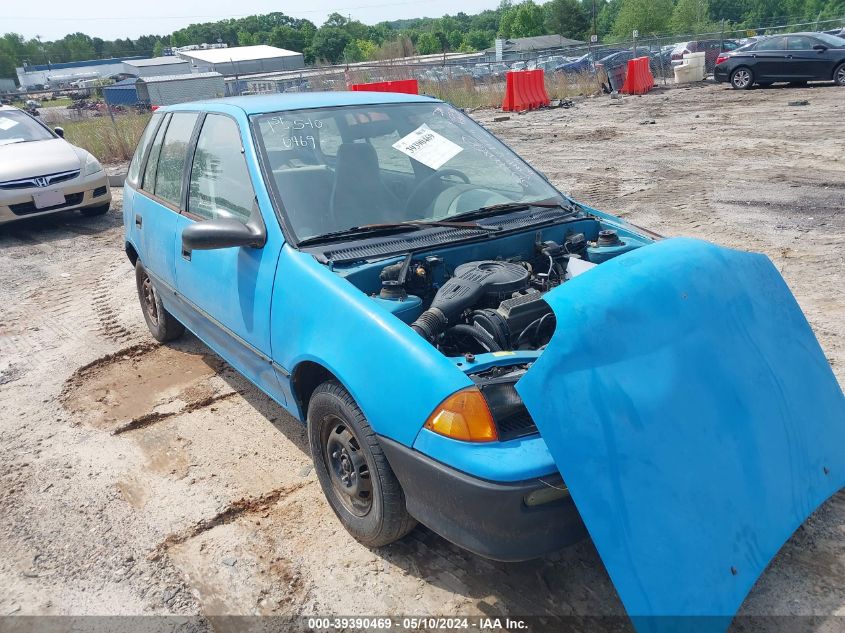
column 794, row 58
column 586, row 61
column 710, row 48
column 41, row 173
column 518, row 66
column 621, row 58
column 472, row 349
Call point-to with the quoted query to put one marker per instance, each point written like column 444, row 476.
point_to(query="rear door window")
column 772, row 44
column 171, row 161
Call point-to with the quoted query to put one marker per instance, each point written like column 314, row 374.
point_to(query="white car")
column 41, row 173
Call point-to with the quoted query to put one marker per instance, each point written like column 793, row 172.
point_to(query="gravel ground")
column 140, row 479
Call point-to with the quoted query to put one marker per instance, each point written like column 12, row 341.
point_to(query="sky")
column 111, row 19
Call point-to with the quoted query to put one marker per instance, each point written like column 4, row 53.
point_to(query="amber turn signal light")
column 464, row 416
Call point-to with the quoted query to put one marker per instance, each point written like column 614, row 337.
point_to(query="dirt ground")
column 141, row 479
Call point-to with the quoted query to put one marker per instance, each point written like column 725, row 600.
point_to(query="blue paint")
column 694, row 418
column 683, row 396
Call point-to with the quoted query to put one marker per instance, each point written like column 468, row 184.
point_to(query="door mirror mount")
column 223, row 233
column 60, row 131
column 820, row 48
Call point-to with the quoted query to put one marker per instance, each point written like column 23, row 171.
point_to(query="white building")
column 242, row 60
column 61, row 74
column 169, row 65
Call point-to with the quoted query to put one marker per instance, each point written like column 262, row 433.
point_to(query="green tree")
column 329, row 43
column 691, row 16
column 568, row 18
column 526, row 19
column 646, row 16
column 427, row 44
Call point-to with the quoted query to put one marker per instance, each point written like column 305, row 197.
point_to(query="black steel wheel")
column 352, row 469
column 742, row 78
column 163, row 325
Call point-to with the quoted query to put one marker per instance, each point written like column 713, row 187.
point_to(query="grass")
column 109, row 143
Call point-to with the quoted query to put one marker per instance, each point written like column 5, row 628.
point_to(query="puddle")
column 140, row 382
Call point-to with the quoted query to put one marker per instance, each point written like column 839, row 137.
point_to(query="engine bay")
column 488, row 297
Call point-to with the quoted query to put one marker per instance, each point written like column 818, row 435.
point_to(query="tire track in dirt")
column 232, row 512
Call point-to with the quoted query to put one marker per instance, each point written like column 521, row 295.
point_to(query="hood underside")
column 695, row 420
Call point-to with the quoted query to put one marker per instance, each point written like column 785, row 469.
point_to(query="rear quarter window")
column 134, row 172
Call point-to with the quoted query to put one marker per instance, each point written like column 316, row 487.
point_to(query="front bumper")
column 488, row 518
column 81, row 192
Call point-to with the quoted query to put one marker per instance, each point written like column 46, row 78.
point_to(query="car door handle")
column 138, row 220
column 789, row 56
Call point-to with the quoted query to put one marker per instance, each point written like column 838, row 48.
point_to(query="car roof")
column 258, row 104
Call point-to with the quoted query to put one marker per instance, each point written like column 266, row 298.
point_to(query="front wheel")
column 742, row 78
column 839, row 75
column 163, row 325
column 352, row 469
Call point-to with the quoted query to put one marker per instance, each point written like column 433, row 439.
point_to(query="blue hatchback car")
column 472, row 349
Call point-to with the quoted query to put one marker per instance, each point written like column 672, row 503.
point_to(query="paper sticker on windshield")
column 7, row 123
column 428, row 147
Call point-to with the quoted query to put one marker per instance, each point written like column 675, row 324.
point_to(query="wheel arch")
column 304, row 379
column 131, row 252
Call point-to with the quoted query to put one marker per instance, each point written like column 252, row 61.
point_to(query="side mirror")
column 222, row 233
column 60, row 131
column 820, row 48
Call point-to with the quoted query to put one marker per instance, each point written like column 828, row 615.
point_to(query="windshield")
column 17, row 127
column 338, row 168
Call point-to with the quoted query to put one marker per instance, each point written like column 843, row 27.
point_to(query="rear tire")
column 742, row 78
column 163, row 325
column 352, row 469
column 94, row 211
column 839, row 75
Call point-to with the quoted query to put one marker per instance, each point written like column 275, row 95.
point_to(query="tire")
column 352, row 469
column 839, row 75
column 94, row 211
column 163, row 325
column 742, row 78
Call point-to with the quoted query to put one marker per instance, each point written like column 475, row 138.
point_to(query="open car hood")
column 695, row 420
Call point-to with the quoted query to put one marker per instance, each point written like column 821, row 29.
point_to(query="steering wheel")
column 443, row 173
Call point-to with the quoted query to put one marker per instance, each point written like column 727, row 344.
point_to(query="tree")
column 691, row 16
column 568, row 18
column 328, row 44
column 646, row 16
column 427, row 44
column 526, row 19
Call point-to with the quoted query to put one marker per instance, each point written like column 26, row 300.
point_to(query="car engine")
column 488, row 305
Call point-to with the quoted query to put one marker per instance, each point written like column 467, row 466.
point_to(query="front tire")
column 352, row 469
column 163, row 325
column 839, row 75
column 742, row 78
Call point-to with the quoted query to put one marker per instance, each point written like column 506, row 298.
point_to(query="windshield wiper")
column 506, row 207
column 389, row 228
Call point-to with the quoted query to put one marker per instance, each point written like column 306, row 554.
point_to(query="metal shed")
column 122, row 93
column 170, row 89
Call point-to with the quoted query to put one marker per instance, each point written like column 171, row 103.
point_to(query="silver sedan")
column 41, row 173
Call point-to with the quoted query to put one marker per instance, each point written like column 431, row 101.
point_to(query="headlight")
column 91, row 166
